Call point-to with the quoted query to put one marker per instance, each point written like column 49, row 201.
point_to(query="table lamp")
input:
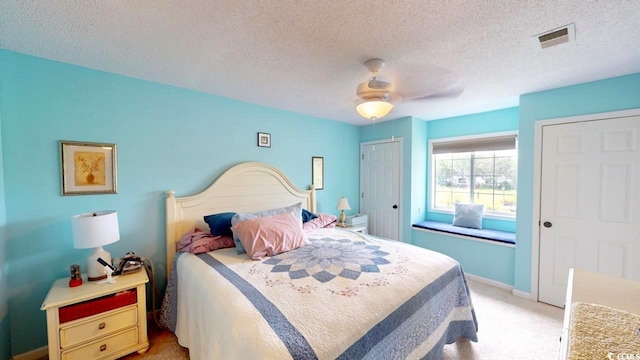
column 94, row 230
column 343, row 205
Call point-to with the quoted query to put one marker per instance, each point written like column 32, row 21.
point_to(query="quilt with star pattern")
column 344, row 296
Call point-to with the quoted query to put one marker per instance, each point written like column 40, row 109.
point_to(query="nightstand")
column 92, row 321
column 360, row 228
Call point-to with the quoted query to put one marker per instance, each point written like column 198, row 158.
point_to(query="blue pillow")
column 220, row 224
column 468, row 215
column 295, row 209
column 308, row 215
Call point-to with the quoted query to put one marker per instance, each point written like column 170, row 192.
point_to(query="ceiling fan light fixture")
column 374, row 108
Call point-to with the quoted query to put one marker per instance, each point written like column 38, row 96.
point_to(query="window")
column 477, row 171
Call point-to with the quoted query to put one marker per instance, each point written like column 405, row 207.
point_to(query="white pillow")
column 468, row 215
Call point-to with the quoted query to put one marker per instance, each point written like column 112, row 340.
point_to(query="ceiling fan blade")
column 450, row 92
column 378, row 84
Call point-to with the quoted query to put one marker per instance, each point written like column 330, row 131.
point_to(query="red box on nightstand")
column 97, row 306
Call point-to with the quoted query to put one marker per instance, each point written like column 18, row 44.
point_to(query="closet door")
column 380, row 187
column 590, row 202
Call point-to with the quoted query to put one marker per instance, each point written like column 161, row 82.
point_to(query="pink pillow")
column 197, row 241
column 322, row 221
column 270, row 235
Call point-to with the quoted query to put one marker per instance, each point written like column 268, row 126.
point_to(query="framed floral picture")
column 88, row 168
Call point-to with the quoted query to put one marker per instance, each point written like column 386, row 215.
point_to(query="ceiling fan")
column 379, row 97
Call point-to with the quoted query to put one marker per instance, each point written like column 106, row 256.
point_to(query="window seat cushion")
column 488, row 234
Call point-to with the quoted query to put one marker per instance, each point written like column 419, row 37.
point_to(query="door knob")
column 395, row 206
column 547, row 224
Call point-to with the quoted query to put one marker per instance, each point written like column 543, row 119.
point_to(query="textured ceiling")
column 306, row 56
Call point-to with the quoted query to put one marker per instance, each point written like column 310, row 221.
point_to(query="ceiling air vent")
column 556, row 36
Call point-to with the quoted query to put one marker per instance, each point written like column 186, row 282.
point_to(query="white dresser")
column 594, row 288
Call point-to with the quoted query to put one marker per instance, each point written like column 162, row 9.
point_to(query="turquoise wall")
column 475, row 124
column 492, row 261
column 613, row 94
column 167, row 138
column 5, row 333
column 419, row 152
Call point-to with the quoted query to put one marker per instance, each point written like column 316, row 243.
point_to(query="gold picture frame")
column 88, row 168
column 317, row 172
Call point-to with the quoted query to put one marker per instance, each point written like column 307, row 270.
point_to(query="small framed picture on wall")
column 264, row 140
column 317, row 172
column 88, row 168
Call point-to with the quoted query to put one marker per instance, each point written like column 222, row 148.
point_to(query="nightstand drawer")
column 100, row 326
column 104, row 347
column 97, row 306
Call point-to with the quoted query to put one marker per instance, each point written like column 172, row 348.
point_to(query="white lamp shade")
column 343, row 204
column 95, row 229
column 374, row 109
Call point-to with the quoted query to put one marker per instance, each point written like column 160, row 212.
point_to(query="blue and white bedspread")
column 345, row 296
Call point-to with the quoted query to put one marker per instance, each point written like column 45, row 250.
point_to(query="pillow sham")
column 322, row 221
column 468, row 215
column 197, row 241
column 220, row 224
column 270, row 235
column 308, row 215
column 296, row 209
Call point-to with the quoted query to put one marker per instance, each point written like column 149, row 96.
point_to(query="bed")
column 344, row 295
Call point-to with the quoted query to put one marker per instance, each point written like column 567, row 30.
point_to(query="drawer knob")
column 102, row 326
column 103, row 347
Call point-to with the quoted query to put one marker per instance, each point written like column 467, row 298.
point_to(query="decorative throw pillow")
column 322, row 221
column 468, row 215
column 308, row 215
column 238, row 217
column 270, row 235
column 220, row 224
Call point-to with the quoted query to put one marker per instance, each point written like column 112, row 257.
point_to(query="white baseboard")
column 493, row 283
column 521, row 294
column 501, row 285
column 37, row 354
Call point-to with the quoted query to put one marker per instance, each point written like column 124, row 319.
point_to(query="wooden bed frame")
column 246, row 187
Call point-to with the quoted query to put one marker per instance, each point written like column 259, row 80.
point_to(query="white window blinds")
column 505, row 142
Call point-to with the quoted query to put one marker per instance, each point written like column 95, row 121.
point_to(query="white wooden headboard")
column 246, row 187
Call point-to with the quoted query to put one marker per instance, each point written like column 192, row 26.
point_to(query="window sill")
column 485, row 235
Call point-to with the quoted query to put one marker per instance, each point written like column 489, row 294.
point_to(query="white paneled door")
column 380, row 187
column 590, row 202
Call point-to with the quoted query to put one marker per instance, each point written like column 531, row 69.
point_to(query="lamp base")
column 342, row 218
column 95, row 270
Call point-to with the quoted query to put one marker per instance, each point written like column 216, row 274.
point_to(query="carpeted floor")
column 509, row 328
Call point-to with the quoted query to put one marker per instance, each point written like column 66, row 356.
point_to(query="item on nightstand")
column 130, row 263
column 76, row 275
column 356, row 219
column 343, row 204
column 94, row 230
column 108, row 269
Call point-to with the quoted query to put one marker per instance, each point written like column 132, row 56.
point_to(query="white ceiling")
column 306, row 56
